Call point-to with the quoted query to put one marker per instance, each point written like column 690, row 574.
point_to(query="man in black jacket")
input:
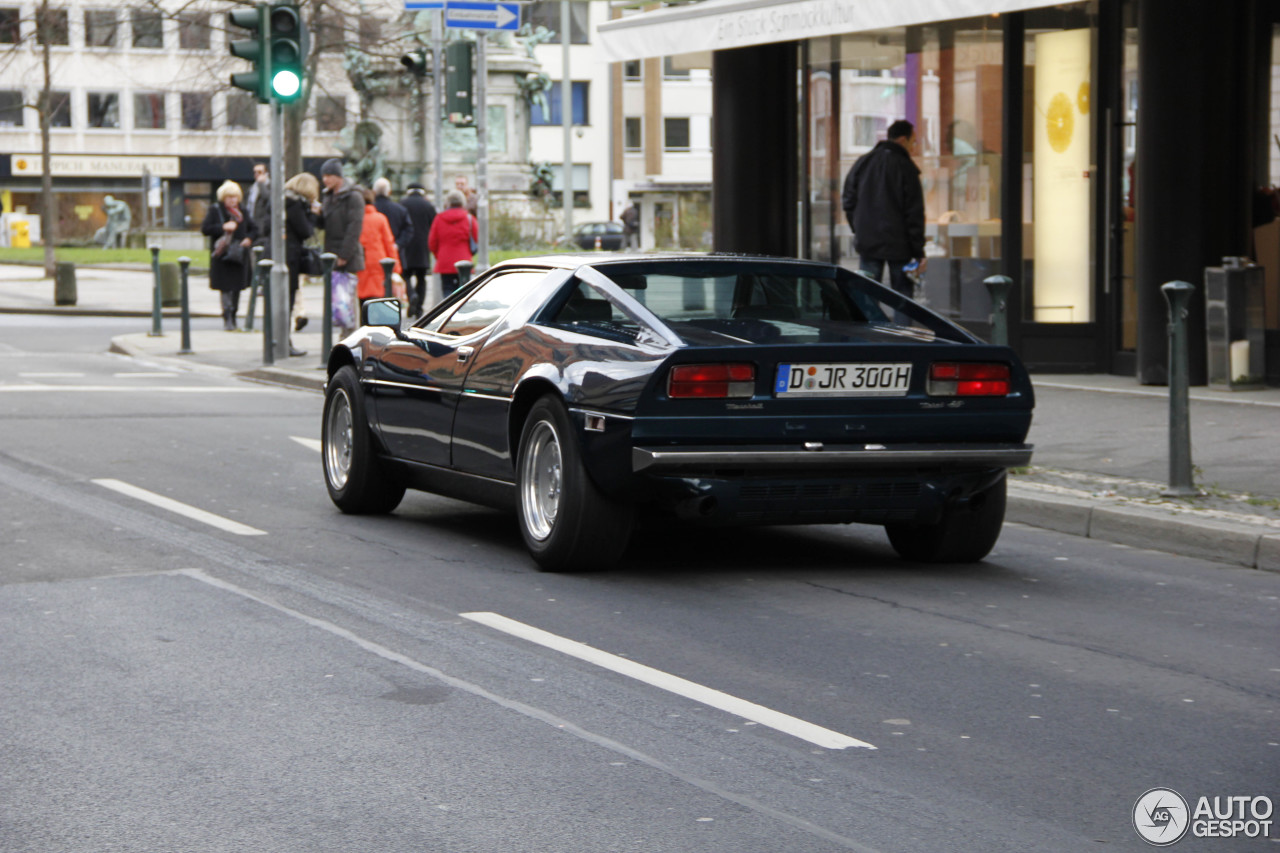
column 397, row 216
column 415, row 257
column 884, row 203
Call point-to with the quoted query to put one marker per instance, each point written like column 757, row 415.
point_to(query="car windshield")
column 756, row 302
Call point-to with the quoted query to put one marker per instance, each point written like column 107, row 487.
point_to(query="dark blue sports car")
column 592, row 395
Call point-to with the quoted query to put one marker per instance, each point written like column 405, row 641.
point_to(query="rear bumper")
column 833, row 460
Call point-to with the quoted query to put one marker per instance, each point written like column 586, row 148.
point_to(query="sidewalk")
column 1101, row 458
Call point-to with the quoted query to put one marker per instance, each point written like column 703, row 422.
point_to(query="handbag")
column 309, row 262
column 236, row 253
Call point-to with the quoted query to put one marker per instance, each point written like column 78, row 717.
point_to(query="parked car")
column 591, row 394
column 596, row 235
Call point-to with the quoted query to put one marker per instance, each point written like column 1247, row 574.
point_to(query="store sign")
column 95, row 166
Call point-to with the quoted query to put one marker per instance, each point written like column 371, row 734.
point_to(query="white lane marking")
column 134, row 389
column 142, row 375
column 51, row 375
column 309, row 443
column 180, row 508
column 673, row 684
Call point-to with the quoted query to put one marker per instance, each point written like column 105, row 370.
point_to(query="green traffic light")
column 285, row 84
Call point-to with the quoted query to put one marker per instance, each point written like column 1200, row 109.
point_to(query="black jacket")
column 398, row 219
column 342, row 218
column 224, row 275
column 299, row 225
column 884, row 204
column 415, row 255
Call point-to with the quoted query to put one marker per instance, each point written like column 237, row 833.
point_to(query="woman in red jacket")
column 378, row 243
column 450, row 239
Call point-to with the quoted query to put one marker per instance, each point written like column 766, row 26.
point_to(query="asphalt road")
column 274, row 675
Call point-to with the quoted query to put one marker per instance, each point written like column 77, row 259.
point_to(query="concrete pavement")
column 1101, row 441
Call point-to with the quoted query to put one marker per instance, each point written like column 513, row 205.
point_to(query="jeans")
column 874, row 267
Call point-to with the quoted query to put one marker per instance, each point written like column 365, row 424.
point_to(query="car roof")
column 573, row 260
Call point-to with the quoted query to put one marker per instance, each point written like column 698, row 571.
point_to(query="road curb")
column 287, row 377
column 1255, row 546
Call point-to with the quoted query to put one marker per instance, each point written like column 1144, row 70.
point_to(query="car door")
column 417, row 381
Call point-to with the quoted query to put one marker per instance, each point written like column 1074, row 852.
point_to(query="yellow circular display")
column 1082, row 98
column 1061, row 122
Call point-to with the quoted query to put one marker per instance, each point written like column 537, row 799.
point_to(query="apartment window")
column 556, row 116
column 670, row 72
column 370, row 34
column 867, row 130
column 633, row 134
column 100, row 27
column 633, row 70
column 242, row 111
column 331, row 113
column 148, row 28
column 581, row 184
column 60, row 109
column 194, row 30
column 148, row 110
column 328, row 33
column 675, row 134
column 197, row 110
column 53, row 27
column 104, row 109
column 10, row 108
column 547, row 14
column 10, row 26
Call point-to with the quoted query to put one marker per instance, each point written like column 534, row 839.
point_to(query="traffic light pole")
column 279, row 306
column 436, row 116
column 482, row 150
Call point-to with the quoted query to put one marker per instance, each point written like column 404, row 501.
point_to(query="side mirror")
column 384, row 312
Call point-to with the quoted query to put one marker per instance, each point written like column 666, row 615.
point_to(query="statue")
column 111, row 235
column 361, row 147
column 531, row 36
column 534, row 87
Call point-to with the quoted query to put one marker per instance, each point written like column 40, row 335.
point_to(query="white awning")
column 723, row 24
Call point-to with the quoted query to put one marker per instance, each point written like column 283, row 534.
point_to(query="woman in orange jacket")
column 378, row 243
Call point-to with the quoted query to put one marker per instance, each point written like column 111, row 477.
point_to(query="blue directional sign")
column 419, row 5
column 482, row 16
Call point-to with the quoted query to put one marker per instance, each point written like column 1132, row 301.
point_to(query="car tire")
column 358, row 481
column 568, row 525
column 966, row 533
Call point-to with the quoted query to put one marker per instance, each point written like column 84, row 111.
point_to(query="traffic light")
column 457, row 83
column 288, row 39
column 253, row 49
column 416, row 62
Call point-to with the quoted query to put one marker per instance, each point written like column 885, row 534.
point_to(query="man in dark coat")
column 397, row 216
column 341, row 217
column 415, row 257
column 884, row 203
column 260, row 207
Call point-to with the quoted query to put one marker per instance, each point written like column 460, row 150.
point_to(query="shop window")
column 331, row 114
column 675, row 134
column 197, row 111
column 11, row 108
column 148, row 110
column 633, row 134
column 100, row 27
column 580, row 100
column 148, row 28
column 194, row 31
column 547, row 14
column 242, row 111
column 52, row 27
column 104, row 109
column 10, row 26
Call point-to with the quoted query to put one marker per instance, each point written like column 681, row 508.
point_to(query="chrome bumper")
column 845, row 457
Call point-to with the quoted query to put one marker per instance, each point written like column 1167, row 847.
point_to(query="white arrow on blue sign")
column 482, row 16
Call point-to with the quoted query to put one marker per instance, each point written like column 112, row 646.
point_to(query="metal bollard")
column 388, row 270
column 184, row 267
column 464, row 269
column 264, row 282
column 327, row 260
column 155, row 293
column 1178, row 294
column 999, row 286
column 254, row 286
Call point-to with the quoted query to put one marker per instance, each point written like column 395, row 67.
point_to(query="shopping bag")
column 343, row 300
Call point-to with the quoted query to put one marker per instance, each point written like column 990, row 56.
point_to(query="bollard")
column 184, row 267
column 264, row 283
column 1178, row 294
column 464, row 269
column 327, row 260
column 64, row 283
column 155, row 293
column 388, row 270
column 254, row 287
column 999, row 286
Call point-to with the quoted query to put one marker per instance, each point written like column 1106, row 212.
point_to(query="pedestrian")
column 884, row 203
column 450, row 239
column 416, row 256
column 378, row 242
column 259, row 206
column 397, row 216
column 468, row 193
column 342, row 217
column 231, row 232
column 631, row 227
column 301, row 193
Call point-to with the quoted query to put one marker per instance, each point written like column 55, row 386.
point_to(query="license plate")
column 842, row 380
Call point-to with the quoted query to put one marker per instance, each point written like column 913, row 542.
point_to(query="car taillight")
column 712, row 380
column 968, row 379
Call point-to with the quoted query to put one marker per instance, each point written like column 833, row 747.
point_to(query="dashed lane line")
column 180, row 508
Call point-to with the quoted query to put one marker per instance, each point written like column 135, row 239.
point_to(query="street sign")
column 482, row 16
column 419, row 5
